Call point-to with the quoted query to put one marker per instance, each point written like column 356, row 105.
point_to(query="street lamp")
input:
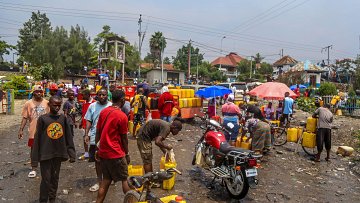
column 221, row 49
column 221, row 44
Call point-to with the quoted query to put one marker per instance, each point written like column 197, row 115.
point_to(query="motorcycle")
column 236, row 167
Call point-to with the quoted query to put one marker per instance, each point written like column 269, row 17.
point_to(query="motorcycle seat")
column 226, row 148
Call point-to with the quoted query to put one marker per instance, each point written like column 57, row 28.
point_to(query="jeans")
column 165, row 118
column 50, row 170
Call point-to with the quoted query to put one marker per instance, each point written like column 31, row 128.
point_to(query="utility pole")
column 141, row 39
column 282, row 53
column 189, row 59
column 250, row 65
column 327, row 48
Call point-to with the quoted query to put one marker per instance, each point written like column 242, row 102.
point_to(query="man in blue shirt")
column 287, row 108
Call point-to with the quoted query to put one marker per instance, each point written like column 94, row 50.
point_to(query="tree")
column 167, row 60
column 80, row 51
column 32, row 38
column 180, row 61
column 157, row 46
column 5, row 48
column 327, row 88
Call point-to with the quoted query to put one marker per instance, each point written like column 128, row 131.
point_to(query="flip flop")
column 94, row 188
column 32, row 174
column 314, row 159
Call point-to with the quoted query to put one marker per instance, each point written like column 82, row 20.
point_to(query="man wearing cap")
column 32, row 110
column 231, row 114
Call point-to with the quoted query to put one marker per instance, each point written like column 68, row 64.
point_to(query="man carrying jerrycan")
column 155, row 130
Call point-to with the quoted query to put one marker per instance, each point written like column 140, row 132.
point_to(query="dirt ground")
column 283, row 177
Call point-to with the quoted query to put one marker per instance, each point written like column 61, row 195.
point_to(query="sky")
column 301, row 28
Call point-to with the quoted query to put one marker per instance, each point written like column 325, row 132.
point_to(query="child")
column 53, row 144
column 69, row 109
column 87, row 101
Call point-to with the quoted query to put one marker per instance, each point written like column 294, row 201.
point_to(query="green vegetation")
column 17, row 83
column 327, row 88
column 306, row 104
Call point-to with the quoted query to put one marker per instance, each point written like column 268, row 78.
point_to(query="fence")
column 348, row 105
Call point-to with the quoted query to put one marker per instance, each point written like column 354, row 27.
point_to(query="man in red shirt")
column 112, row 142
column 165, row 104
column 87, row 101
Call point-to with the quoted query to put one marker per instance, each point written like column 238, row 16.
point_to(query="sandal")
column 314, row 159
column 94, row 188
column 32, row 174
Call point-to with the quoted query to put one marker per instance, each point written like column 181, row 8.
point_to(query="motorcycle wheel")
column 279, row 137
column 131, row 197
column 237, row 191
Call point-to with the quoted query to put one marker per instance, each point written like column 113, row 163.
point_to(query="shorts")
column 323, row 136
column 114, row 169
column 285, row 117
column 234, row 131
column 145, row 148
column 30, row 142
column 92, row 150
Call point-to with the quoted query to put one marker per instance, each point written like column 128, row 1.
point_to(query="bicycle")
column 279, row 138
column 147, row 181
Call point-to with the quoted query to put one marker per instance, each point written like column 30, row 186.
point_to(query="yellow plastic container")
column 299, row 132
column 292, row 135
column 309, row 140
column 186, row 102
column 275, row 122
column 136, row 170
column 311, row 124
column 198, row 102
column 97, row 88
column 171, row 198
column 131, row 127
column 162, row 163
column 169, row 184
column 191, row 93
column 238, row 142
column 149, row 101
column 245, row 143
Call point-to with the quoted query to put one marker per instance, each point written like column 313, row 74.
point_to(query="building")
column 228, row 65
column 283, row 65
column 170, row 74
column 311, row 73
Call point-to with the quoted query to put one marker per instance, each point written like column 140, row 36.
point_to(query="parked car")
column 240, row 87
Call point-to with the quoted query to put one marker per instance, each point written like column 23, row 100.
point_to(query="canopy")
column 293, row 87
column 213, row 91
column 272, row 91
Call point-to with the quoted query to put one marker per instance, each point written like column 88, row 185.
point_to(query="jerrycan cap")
column 179, row 198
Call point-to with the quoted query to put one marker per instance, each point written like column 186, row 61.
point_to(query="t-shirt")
column 139, row 104
column 288, row 103
column 165, row 104
column 268, row 111
column 325, row 117
column 112, row 125
column 154, row 128
column 230, row 109
column 92, row 115
column 53, row 139
column 84, row 109
column 69, row 106
column 32, row 110
column 126, row 108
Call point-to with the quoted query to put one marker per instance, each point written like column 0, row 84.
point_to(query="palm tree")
column 258, row 58
column 157, row 46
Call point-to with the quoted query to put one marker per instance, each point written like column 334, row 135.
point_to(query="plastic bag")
column 149, row 118
column 172, row 156
column 198, row 156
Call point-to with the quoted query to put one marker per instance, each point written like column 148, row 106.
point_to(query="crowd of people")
column 105, row 124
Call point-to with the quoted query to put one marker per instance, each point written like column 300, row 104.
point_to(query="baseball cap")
column 37, row 88
column 231, row 97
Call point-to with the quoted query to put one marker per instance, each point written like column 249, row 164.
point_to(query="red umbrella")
column 272, row 91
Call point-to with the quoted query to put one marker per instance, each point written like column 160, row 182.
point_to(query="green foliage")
column 45, row 71
column 5, row 48
column 180, row 61
column 167, row 60
column 17, row 83
column 327, row 88
column 306, row 104
column 244, row 67
column 157, row 45
column 351, row 92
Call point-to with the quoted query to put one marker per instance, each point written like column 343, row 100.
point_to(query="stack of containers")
column 309, row 137
column 186, row 97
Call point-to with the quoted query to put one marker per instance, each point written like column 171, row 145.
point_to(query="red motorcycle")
column 236, row 167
